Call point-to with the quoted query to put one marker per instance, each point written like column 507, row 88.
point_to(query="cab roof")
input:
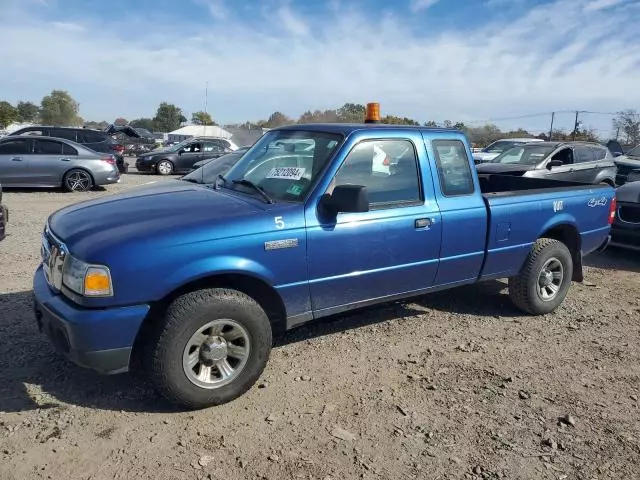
column 348, row 128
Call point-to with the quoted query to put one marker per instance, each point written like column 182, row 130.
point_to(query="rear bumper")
column 99, row 339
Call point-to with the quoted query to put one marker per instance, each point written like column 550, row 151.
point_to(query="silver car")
column 28, row 161
column 581, row 162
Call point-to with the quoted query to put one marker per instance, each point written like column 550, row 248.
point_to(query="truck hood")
column 504, row 168
column 165, row 215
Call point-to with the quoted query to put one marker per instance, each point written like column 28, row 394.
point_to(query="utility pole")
column 575, row 126
column 553, row 114
column 206, row 95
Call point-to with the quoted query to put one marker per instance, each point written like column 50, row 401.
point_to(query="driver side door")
column 190, row 154
column 393, row 249
column 564, row 171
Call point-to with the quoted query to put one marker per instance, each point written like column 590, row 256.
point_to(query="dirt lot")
column 454, row 385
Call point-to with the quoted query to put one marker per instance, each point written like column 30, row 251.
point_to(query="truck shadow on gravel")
column 34, row 376
column 615, row 259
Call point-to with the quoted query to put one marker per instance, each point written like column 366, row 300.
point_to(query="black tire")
column 185, row 316
column 525, row 288
column 164, row 167
column 77, row 180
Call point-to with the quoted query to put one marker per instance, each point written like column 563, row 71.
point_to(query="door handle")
column 423, row 222
column 65, row 159
column 16, row 159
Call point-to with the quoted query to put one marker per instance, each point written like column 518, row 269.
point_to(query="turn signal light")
column 97, row 282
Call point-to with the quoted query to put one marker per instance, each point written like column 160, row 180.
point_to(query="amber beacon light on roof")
column 373, row 113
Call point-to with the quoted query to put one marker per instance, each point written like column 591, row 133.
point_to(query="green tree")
column 146, row 123
column 27, row 112
column 627, row 122
column 8, row 114
column 96, row 125
column 120, row 121
column 202, row 118
column 168, row 118
column 394, row 120
column 351, row 113
column 59, row 108
column 277, row 119
column 431, row 124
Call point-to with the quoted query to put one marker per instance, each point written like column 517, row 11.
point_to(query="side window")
column 389, row 170
column 599, row 153
column 66, row 134
column 90, row 137
column 67, row 150
column 14, row 147
column 583, row 154
column 47, row 147
column 35, row 132
column 454, row 169
column 565, row 156
column 212, row 148
column 193, row 148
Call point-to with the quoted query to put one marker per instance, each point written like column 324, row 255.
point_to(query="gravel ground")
column 454, row 385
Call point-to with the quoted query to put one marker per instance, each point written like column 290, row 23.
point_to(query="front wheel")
column 542, row 284
column 164, row 167
column 211, row 348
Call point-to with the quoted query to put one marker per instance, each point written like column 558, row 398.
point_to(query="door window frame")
column 28, row 142
column 441, row 178
column 396, row 203
column 46, row 140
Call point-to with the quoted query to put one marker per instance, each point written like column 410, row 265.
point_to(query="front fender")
column 219, row 265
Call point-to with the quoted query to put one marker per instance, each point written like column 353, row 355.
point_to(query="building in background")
column 189, row 131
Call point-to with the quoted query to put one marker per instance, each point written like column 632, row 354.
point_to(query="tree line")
column 59, row 108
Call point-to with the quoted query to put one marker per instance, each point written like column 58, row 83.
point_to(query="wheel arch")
column 568, row 234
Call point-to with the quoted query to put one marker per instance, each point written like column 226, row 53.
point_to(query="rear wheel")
column 542, row 284
column 77, row 180
column 164, row 167
column 211, row 348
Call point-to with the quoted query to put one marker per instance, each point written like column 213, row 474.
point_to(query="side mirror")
column 554, row 163
column 346, row 199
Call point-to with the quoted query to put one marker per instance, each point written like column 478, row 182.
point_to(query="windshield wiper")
column 249, row 183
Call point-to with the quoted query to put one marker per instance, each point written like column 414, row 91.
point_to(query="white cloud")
column 72, row 27
column 291, row 21
column 601, row 4
column 417, row 5
column 542, row 61
column 217, row 8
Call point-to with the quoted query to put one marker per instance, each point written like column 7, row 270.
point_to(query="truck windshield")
column 285, row 164
column 525, row 154
column 499, row 146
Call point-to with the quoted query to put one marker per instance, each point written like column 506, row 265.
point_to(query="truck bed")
column 523, row 209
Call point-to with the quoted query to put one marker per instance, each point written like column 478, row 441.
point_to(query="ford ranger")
column 194, row 279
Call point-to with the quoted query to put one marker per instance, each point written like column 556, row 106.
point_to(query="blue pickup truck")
column 312, row 221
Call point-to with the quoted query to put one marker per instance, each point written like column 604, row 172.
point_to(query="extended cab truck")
column 196, row 278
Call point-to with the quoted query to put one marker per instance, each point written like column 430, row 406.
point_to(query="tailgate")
column 518, row 219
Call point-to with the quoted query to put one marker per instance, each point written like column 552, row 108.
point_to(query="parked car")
column 28, row 161
column 4, row 217
column 625, row 231
column 582, row 162
column 207, row 171
column 202, row 276
column 96, row 140
column 499, row 146
column 628, row 163
column 180, row 158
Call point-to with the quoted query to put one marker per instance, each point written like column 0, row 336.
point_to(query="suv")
column 500, row 146
column 96, row 140
column 180, row 158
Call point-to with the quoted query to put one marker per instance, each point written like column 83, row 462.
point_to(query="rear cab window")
column 454, row 169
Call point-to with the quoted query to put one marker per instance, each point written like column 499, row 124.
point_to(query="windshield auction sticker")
column 287, row 173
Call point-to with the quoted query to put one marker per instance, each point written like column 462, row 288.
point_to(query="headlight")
column 87, row 280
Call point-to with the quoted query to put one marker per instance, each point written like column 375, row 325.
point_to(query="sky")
column 463, row 60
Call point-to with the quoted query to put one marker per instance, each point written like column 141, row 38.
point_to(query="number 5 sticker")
column 279, row 222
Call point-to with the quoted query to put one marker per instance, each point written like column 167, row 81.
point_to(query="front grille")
column 53, row 253
column 629, row 213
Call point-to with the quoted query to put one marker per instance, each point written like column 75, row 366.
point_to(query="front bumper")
column 99, row 339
